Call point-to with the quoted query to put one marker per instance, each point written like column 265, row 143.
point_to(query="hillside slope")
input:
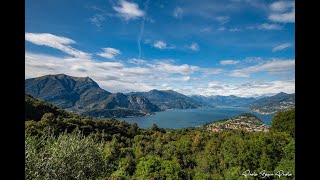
column 83, row 95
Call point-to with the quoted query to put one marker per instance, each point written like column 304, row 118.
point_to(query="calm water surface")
column 182, row 118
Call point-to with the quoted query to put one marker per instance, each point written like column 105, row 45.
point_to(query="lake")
column 183, row 118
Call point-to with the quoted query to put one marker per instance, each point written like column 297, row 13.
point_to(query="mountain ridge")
column 218, row 100
column 83, row 95
column 272, row 104
column 169, row 99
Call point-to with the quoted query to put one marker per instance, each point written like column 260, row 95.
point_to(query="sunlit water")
column 183, row 118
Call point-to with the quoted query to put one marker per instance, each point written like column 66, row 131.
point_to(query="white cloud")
column 194, row 47
column 109, row 53
column 165, row 68
column 112, row 76
column 160, row 45
column 178, row 12
column 229, row 62
column 143, row 75
column 136, row 61
column 281, row 47
column 281, row 6
column 223, row 19
column 247, row 89
column 210, row 71
column 117, row 77
column 128, row 10
column 183, row 78
column 266, row 26
column 282, row 11
column 169, row 68
column 285, row 17
column 274, row 67
column 57, row 42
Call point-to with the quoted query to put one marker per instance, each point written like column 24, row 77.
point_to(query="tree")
column 154, row 127
column 69, row 156
column 154, row 167
column 284, row 122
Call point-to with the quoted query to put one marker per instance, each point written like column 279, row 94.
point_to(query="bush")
column 69, row 156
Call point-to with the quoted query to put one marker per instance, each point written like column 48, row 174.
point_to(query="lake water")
column 183, row 118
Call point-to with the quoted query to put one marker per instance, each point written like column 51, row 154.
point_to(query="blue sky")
column 206, row 47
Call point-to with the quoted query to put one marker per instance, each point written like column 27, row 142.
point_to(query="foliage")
column 284, row 122
column 76, row 147
column 69, row 156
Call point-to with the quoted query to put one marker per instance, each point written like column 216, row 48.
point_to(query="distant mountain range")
column 84, row 96
column 224, row 100
column 169, row 99
column 277, row 103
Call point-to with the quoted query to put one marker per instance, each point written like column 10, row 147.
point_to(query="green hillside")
column 60, row 145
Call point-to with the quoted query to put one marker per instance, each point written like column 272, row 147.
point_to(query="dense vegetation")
column 284, row 122
column 68, row 146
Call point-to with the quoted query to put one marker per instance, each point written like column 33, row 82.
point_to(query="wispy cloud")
column 169, row 68
column 282, row 11
column 266, row 26
column 128, row 10
column 97, row 20
column 274, row 67
column 211, row 71
column 223, row 19
column 281, row 6
column 136, row 61
column 57, row 42
column 109, row 53
column 142, row 28
column 161, row 45
column 234, row 29
column 194, row 46
column 229, row 62
column 178, row 12
column 247, row 89
column 281, row 47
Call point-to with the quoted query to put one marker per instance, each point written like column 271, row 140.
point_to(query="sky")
column 206, row 47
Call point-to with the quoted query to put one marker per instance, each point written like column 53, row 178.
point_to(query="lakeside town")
column 271, row 109
column 247, row 122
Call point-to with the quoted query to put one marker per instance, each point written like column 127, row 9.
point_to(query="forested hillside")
column 60, row 145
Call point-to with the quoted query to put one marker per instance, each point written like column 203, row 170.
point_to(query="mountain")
column 224, row 100
column 168, row 99
column 269, row 105
column 84, row 96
